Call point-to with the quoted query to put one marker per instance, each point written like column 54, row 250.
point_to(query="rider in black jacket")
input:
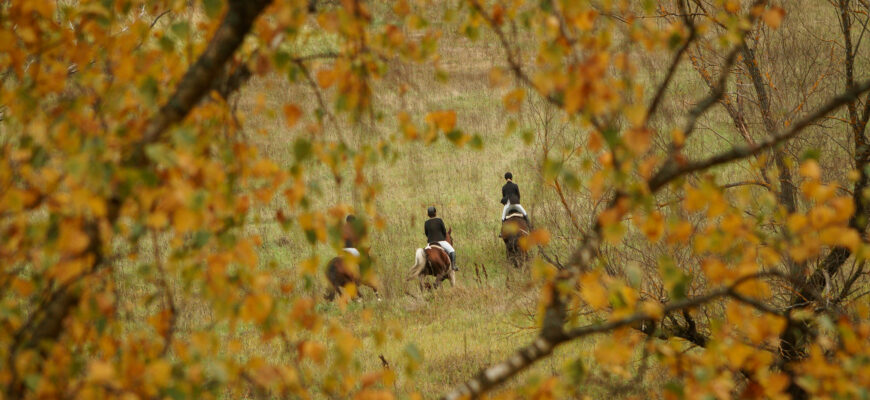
column 510, row 197
column 436, row 232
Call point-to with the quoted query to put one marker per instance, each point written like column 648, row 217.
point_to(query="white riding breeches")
column 352, row 250
column 446, row 246
column 514, row 206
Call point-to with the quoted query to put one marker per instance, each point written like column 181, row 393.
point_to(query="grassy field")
column 460, row 330
column 457, row 331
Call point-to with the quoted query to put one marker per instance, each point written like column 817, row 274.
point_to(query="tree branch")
column 197, row 81
column 544, row 345
column 671, row 171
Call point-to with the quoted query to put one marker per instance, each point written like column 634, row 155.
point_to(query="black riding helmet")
column 508, row 175
column 431, row 211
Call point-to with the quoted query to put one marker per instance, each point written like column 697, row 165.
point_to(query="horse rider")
column 348, row 234
column 436, row 232
column 510, row 197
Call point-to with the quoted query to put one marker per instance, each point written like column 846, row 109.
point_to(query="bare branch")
column 660, row 93
column 671, row 171
column 544, row 344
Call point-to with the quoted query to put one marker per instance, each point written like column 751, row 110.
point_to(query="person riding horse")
column 338, row 272
column 436, row 232
column 348, row 234
column 510, row 197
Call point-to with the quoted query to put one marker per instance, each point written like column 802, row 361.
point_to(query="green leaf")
column 413, row 352
column 160, row 153
column 476, row 142
column 676, row 280
column 611, row 136
column 455, row 136
column 180, row 29
column 149, row 89
column 552, row 168
column 301, row 149
column 212, row 7
column 528, row 136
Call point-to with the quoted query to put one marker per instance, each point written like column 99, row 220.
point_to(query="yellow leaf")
column 401, row 8
column 497, row 77
column 773, row 17
column 158, row 373
column 737, row 354
column 821, row 216
column 325, row 78
column 513, row 101
column 537, row 237
column 810, row 169
column 592, row 292
column 844, row 207
column 156, row 220
column 638, row 140
column 680, row 232
column 67, row 269
column 256, row 307
column 678, row 137
column 715, row 270
column 22, row 286
column 595, row 141
column 653, row 226
column 443, row 120
column 732, row 6
column 292, row 114
column 653, row 309
column 840, row 236
column 100, row 371
column 770, row 256
column 313, row 350
column 246, row 254
column 72, row 239
column 635, row 114
column 184, row 220
column 796, row 222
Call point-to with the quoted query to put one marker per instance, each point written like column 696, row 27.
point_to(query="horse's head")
column 450, row 236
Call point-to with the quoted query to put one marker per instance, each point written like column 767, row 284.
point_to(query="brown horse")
column 434, row 261
column 513, row 229
column 340, row 275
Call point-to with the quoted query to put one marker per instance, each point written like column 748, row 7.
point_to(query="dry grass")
column 456, row 330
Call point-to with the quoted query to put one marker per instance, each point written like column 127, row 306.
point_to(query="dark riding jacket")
column 435, row 230
column 510, row 192
column 348, row 235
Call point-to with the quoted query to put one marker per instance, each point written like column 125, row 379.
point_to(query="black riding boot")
column 453, row 261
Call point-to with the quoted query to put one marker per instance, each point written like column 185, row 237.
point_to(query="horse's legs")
column 452, row 276
column 374, row 289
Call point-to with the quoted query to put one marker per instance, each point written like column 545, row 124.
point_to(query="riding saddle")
column 513, row 214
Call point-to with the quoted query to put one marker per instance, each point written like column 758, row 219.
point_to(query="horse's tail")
column 419, row 264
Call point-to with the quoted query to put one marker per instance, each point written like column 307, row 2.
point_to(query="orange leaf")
column 773, row 17
column 72, row 239
column 292, row 114
column 325, row 78
column 514, row 100
column 444, row 120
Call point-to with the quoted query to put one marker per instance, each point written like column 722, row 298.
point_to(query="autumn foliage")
column 128, row 184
